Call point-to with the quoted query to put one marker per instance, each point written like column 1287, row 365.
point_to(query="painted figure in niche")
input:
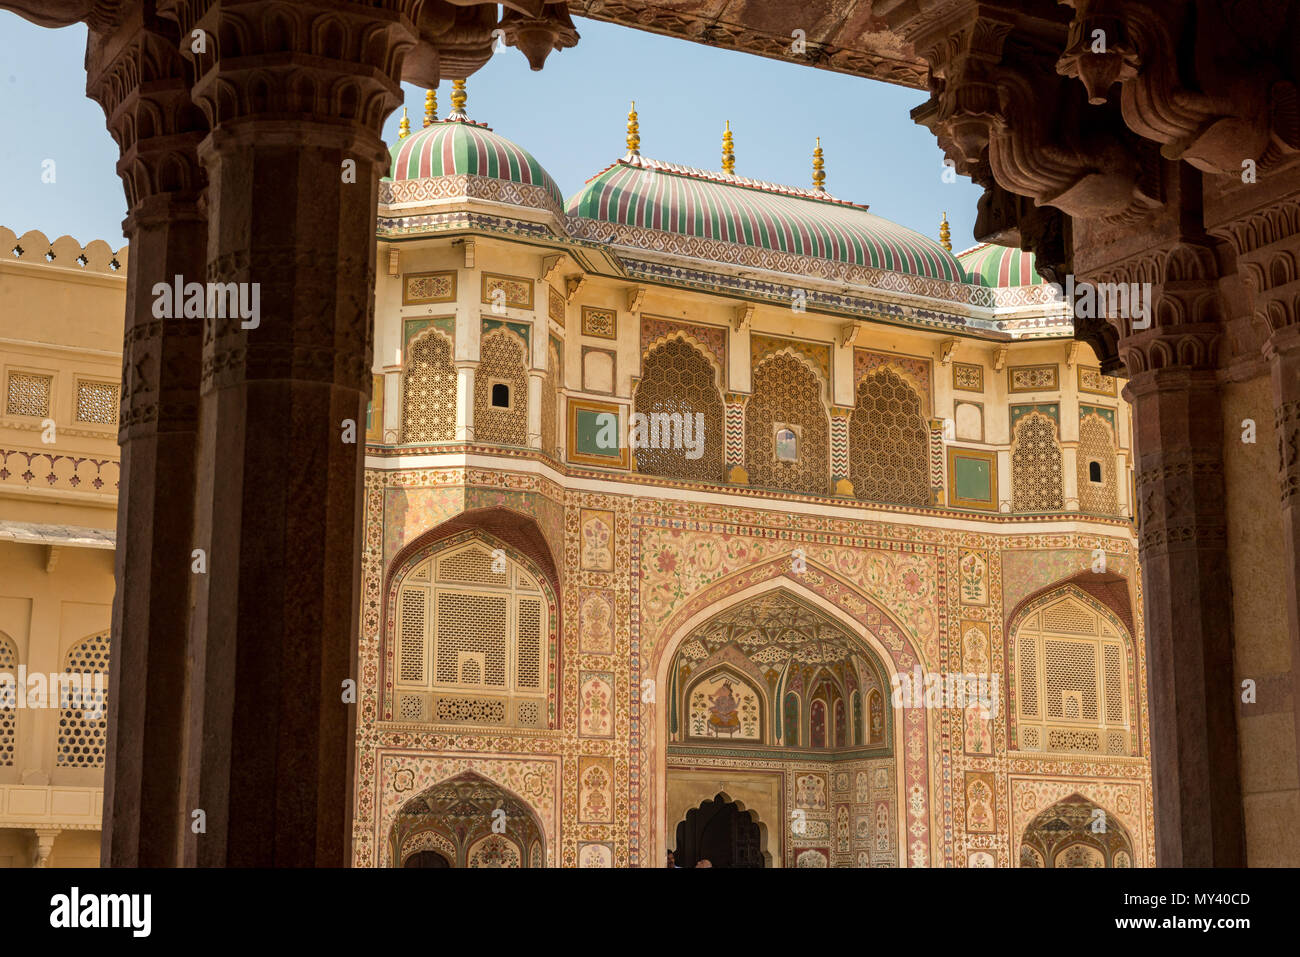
column 877, row 717
column 723, row 705
column 724, row 716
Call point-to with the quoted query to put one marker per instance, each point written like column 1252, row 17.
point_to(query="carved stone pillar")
column 296, row 96
column 1283, row 351
column 137, row 75
column 1184, row 556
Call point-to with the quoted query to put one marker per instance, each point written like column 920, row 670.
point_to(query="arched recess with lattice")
column 8, row 701
column 1076, row 832
column 889, row 442
column 472, row 821
column 787, row 393
column 1072, row 677
column 1097, row 445
column 429, row 389
column 679, row 380
column 503, row 361
column 472, row 636
column 1036, row 465
column 83, row 724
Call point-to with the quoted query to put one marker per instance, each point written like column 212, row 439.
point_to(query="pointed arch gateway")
column 837, row 603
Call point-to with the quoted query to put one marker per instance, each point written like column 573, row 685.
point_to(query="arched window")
column 429, row 390
column 1072, row 677
column 501, row 390
column 889, row 442
column 1097, row 490
column 678, row 380
column 473, row 631
column 1036, row 465
column 787, row 402
column 8, row 700
column 83, row 725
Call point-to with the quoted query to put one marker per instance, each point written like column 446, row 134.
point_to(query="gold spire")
column 430, row 107
column 404, row 128
column 633, row 132
column 819, row 168
column 945, row 234
column 728, row 150
column 458, row 99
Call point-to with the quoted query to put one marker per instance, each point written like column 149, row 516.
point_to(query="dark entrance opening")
column 427, row 859
column 719, row 832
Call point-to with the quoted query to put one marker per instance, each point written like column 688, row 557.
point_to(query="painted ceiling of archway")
column 783, row 646
column 772, row 630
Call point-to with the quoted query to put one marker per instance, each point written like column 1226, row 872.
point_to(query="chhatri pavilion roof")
column 723, row 207
column 999, row 267
column 458, row 146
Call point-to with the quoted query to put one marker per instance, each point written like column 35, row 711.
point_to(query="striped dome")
column 458, row 147
column 726, row 208
column 999, row 267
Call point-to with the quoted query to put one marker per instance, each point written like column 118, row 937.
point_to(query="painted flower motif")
column 666, row 561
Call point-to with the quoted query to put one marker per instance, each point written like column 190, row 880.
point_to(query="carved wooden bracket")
column 851, row 333
column 741, row 317
column 635, row 296
column 573, row 285
column 1000, row 358
column 550, row 267
column 949, row 350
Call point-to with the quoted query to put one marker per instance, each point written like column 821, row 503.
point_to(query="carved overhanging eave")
column 841, row 35
column 97, row 14
column 455, row 40
column 537, row 33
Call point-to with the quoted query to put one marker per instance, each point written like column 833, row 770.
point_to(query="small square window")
column 500, row 395
column 785, row 442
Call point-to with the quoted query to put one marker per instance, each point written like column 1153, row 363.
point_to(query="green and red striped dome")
column 649, row 194
column 999, row 267
column 459, row 147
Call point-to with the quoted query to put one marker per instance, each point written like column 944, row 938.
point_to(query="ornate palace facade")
column 884, row 458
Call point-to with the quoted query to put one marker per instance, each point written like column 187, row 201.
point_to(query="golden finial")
column 633, row 132
column 404, row 128
column 458, row 99
column 819, row 168
column 945, row 234
column 728, row 150
column 430, row 107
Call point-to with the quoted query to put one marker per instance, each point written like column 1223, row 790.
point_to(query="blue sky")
column 571, row 116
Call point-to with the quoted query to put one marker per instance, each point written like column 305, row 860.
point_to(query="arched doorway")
column 467, row 821
column 426, row 859
column 776, row 703
column 721, row 832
